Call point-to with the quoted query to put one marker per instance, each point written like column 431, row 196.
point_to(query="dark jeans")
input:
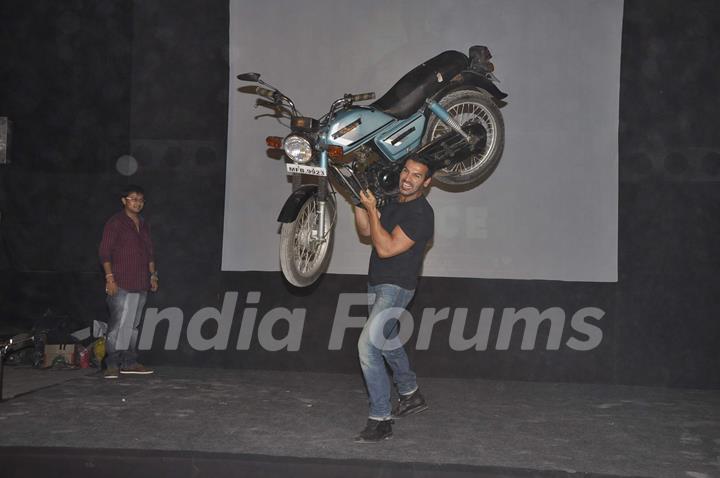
column 122, row 332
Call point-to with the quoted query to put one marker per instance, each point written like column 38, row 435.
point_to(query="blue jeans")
column 378, row 344
column 122, row 332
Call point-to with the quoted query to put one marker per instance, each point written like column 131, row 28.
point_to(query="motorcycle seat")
column 407, row 95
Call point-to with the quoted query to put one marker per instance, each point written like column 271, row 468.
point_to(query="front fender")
column 469, row 77
column 295, row 201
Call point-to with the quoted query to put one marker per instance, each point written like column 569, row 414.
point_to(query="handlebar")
column 277, row 98
column 347, row 100
column 264, row 92
column 362, row 97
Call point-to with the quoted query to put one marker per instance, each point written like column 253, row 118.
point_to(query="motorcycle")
column 446, row 111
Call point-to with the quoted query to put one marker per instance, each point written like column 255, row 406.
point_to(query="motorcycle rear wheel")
column 305, row 254
column 467, row 106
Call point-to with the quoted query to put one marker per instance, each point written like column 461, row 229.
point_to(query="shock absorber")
column 322, row 198
column 444, row 116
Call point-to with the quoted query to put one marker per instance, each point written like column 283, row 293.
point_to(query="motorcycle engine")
column 379, row 176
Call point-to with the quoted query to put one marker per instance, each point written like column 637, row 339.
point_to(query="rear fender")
column 470, row 78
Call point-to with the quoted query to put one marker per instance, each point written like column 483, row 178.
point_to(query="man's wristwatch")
column 154, row 275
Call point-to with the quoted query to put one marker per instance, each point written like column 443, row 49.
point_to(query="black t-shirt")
column 417, row 220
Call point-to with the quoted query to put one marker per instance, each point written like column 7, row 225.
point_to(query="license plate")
column 302, row 169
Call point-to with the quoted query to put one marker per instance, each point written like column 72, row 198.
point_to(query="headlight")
column 298, row 149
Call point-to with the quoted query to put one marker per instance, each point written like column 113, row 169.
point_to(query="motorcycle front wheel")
column 470, row 106
column 304, row 249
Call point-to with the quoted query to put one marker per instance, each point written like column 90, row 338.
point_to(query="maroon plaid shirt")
column 128, row 250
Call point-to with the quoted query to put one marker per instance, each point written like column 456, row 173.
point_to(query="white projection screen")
column 549, row 211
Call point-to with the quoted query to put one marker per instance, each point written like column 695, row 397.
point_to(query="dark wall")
column 65, row 83
column 86, row 82
column 669, row 194
column 178, row 136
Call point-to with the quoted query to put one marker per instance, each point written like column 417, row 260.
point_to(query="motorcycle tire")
column 304, row 258
column 470, row 106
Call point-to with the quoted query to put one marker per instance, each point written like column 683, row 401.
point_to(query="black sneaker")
column 409, row 405
column 375, row 431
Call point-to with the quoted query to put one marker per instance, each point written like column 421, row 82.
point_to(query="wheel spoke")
column 307, row 250
column 463, row 113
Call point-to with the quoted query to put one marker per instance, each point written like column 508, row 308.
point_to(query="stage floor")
column 541, row 428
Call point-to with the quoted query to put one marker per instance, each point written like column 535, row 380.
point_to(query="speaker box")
column 5, row 137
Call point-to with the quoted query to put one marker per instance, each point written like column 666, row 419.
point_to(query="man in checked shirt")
column 126, row 254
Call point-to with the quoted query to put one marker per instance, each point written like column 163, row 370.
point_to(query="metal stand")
column 4, row 347
column 3, row 350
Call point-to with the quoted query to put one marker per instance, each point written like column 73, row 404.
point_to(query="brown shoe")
column 137, row 369
column 111, row 373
